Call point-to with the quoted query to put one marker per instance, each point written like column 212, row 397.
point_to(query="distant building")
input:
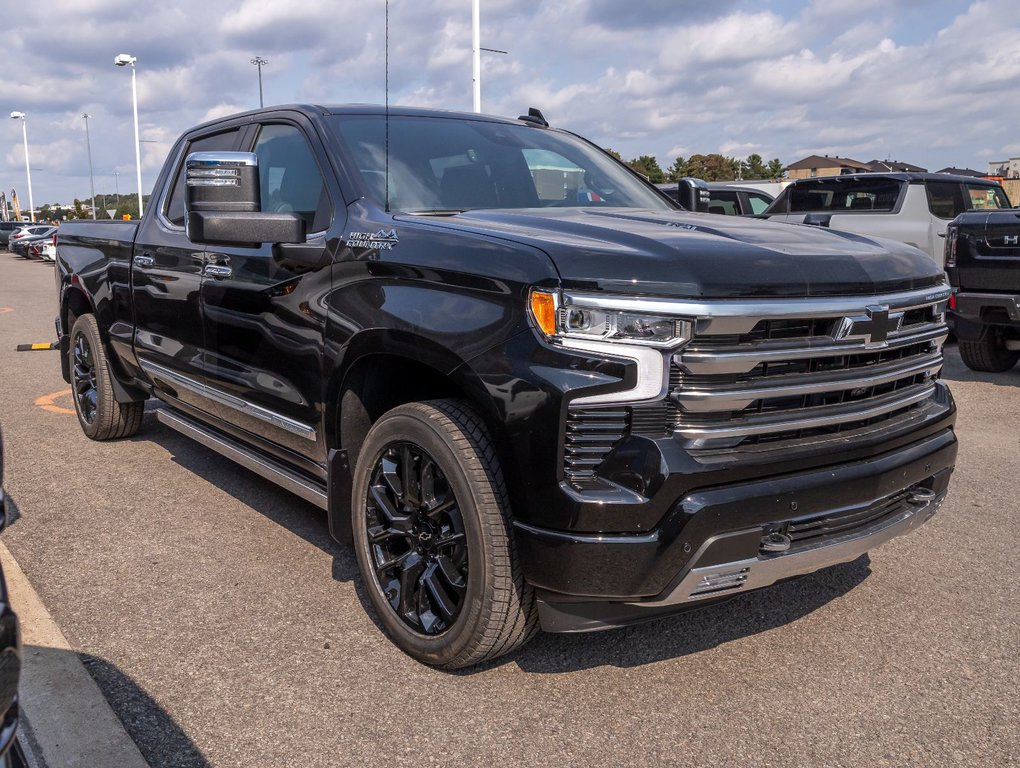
column 1007, row 169
column 824, row 165
column 962, row 172
column 886, row 166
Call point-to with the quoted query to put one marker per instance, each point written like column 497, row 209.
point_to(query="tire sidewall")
column 412, row 426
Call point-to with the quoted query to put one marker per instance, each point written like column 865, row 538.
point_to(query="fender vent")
column 590, row 435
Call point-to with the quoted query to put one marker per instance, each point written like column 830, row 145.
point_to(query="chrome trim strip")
column 762, row 571
column 702, row 399
column 828, row 415
column 834, row 306
column 202, row 160
column 652, row 371
column 730, row 360
column 230, row 401
column 260, row 466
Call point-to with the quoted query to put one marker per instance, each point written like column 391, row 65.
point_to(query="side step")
column 261, row 465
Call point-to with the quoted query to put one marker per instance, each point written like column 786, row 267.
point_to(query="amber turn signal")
column 543, row 309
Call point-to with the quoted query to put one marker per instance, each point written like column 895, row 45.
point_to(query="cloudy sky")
column 932, row 82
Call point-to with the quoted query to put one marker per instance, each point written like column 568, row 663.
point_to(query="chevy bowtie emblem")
column 873, row 328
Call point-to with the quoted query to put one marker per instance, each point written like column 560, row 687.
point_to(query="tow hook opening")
column 775, row 541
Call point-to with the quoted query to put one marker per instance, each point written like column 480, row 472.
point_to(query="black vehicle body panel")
column 449, row 302
column 985, row 270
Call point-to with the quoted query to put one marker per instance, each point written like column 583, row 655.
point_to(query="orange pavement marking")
column 5, row 310
column 46, row 402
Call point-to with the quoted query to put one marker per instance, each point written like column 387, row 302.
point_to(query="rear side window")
column 217, row 142
column 723, row 202
column 945, row 199
column 842, row 196
column 758, row 202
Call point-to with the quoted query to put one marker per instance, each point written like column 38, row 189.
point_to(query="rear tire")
column 988, row 353
column 431, row 523
column 100, row 415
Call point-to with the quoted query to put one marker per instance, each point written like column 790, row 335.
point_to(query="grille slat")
column 803, row 377
column 591, row 434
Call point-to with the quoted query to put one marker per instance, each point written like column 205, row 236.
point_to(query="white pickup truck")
column 913, row 208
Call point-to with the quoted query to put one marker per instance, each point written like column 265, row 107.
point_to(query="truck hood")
column 676, row 253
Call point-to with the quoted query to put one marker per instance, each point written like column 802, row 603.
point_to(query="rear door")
column 264, row 309
column 166, row 274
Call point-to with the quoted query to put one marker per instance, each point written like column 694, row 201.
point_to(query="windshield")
column 449, row 164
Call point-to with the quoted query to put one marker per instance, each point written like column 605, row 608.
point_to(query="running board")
column 263, row 466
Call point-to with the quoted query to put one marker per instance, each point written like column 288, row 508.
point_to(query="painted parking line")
column 5, row 310
column 46, row 402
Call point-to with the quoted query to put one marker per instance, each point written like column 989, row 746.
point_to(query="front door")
column 166, row 274
column 264, row 314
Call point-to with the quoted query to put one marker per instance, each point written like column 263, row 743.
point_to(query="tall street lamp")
column 88, row 147
column 259, row 62
column 28, row 171
column 123, row 60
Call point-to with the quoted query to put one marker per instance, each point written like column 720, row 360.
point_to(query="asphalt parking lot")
column 226, row 628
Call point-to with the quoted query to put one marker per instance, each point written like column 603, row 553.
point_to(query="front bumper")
column 711, row 543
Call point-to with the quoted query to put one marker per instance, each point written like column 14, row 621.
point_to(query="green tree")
column 677, row 170
column 776, row 169
column 649, row 166
column 712, row 167
column 753, row 168
column 614, row 153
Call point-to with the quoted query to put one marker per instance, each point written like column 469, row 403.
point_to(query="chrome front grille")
column 748, row 380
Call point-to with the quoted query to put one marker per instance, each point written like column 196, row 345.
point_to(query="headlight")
column 558, row 319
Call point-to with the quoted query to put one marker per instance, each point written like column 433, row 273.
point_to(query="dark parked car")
column 31, row 235
column 10, row 647
column 728, row 199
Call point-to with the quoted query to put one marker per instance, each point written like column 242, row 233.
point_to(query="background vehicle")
column 523, row 383
column 913, row 208
column 45, row 249
column 983, row 263
column 21, row 239
column 7, row 228
column 728, row 199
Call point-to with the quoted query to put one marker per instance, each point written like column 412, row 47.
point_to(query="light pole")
column 259, row 62
column 476, row 56
column 28, row 171
column 123, row 60
column 88, row 147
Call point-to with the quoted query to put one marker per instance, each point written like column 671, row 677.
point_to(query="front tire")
column 100, row 415
column 432, row 536
column 989, row 353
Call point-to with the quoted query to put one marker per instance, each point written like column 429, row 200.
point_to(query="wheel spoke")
column 389, row 473
column 378, row 533
column 428, row 482
column 385, row 507
column 438, row 596
column 442, row 508
column 389, row 564
column 408, row 478
column 407, row 600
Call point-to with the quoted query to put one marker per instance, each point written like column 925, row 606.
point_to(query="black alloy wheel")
column 100, row 415
column 416, row 538
column 433, row 536
column 83, row 378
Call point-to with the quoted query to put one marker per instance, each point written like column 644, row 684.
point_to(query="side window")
column 945, row 199
column 758, row 202
column 723, row 202
column 984, row 196
column 289, row 177
column 217, row 142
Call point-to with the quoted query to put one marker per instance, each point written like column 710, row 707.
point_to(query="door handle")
column 143, row 260
column 218, row 270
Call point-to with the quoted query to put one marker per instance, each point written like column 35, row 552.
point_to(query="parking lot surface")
column 226, row 628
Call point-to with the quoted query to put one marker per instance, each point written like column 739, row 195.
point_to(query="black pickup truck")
column 528, row 387
column 982, row 256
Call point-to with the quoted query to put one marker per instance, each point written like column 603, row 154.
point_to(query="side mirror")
column 694, row 194
column 223, row 204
